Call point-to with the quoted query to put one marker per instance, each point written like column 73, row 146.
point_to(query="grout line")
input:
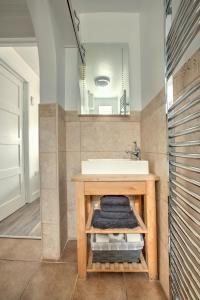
column 64, row 247
column 38, row 261
column 74, row 288
column 124, row 281
column 18, row 259
column 26, row 286
column 148, row 152
column 58, row 262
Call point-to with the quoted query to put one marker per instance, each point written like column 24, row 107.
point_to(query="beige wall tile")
column 51, row 241
column 73, row 164
column 63, row 231
column 48, row 170
column 73, row 136
column 158, row 165
column 50, row 206
column 133, row 117
column 98, row 155
column 47, row 110
column 72, row 228
column 187, row 74
column 164, row 268
column 154, row 126
column 53, row 178
column 95, row 137
column 109, row 136
column 71, row 198
column 61, row 129
column 62, row 176
column 62, row 182
column 47, row 135
column 154, row 149
column 162, row 219
column 71, row 116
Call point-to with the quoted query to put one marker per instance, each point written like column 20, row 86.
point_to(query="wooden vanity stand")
column 142, row 187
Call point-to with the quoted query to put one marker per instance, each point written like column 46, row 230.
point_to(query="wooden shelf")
column 139, row 229
column 117, row 267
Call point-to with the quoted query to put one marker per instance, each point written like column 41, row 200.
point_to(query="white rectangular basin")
column 115, row 166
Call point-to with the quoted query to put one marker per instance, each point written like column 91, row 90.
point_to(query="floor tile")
column 100, row 286
column 139, row 287
column 70, row 252
column 53, row 281
column 14, row 278
column 20, row 249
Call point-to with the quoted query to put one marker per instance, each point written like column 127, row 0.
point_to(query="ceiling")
column 92, row 6
column 14, row 7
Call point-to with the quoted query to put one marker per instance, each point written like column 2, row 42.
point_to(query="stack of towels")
column 115, row 212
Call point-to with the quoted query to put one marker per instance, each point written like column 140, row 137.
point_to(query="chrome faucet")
column 135, row 153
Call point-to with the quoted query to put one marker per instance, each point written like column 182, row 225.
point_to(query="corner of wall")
column 53, row 179
column 154, row 149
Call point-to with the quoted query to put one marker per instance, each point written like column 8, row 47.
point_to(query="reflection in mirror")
column 104, row 79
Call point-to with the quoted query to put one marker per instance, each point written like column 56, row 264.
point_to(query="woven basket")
column 122, row 256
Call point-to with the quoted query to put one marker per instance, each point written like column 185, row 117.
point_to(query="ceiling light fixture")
column 102, row 81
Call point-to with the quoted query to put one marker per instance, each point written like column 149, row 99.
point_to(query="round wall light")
column 102, row 81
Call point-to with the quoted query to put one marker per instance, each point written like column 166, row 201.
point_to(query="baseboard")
column 35, row 195
column 11, row 206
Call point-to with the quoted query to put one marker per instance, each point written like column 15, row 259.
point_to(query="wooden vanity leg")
column 81, row 235
column 151, row 236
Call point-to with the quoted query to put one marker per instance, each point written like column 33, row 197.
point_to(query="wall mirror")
column 104, row 79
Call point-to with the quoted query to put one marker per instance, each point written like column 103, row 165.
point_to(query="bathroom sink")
column 114, row 166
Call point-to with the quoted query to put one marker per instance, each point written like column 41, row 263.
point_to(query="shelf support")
column 81, row 235
column 151, row 236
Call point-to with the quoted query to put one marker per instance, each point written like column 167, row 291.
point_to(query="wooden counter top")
column 106, row 177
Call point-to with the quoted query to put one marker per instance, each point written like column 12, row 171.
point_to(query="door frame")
column 22, row 42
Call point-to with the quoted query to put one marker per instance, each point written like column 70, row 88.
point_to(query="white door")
column 12, row 195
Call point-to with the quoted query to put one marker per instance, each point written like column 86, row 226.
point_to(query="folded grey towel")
column 103, row 223
column 115, row 215
column 115, row 200
column 116, row 208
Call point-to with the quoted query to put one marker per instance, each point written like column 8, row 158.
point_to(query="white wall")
column 30, row 56
column 54, row 31
column 106, row 102
column 152, row 49
column 16, row 63
column 42, row 23
column 72, row 91
column 117, row 28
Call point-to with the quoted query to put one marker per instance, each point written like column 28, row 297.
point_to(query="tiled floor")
column 25, row 277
